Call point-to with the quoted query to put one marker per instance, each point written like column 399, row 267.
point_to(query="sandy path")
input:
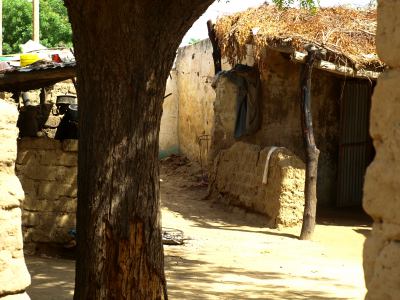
column 229, row 254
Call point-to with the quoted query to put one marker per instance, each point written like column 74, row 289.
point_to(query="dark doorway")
column 356, row 150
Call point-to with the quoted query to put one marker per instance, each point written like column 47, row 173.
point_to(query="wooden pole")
column 216, row 50
column 36, row 22
column 312, row 152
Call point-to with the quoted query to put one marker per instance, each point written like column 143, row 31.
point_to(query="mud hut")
column 343, row 80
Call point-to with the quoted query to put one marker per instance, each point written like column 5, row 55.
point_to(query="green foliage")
column 193, row 41
column 55, row 29
column 307, row 4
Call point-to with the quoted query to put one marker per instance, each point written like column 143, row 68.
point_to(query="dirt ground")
column 229, row 254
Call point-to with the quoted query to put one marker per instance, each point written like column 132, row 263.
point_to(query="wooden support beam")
column 346, row 71
column 312, row 152
column 336, row 69
column 36, row 79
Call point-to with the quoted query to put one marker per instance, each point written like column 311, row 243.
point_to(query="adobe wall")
column 195, row 72
column 169, row 140
column 281, row 125
column 14, row 276
column 238, row 179
column 47, row 169
column 381, row 189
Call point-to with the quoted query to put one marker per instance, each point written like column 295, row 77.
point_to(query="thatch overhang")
column 346, row 35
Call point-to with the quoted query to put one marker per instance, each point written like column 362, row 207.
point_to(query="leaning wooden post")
column 312, row 152
column 216, row 50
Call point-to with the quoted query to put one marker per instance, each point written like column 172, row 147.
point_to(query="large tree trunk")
column 124, row 50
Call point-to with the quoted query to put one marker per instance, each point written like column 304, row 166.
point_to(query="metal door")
column 355, row 144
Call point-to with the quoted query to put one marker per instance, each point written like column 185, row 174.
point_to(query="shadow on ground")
column 215, row 282
column 52, row 279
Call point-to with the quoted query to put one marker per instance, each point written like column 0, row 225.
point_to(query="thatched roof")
column 347, row 35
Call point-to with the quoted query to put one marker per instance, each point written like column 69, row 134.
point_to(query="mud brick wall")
column 195, row 72
column 238, row 175
column 47, row 169
column 381, row 190
column 196, row 97
column 14, row 276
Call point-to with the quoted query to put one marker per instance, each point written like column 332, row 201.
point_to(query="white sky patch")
column 221, row 8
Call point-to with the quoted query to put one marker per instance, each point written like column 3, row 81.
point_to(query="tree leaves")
column 307, row 4
column 55, row 29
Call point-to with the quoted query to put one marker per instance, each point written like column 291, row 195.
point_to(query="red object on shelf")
column 56, row 58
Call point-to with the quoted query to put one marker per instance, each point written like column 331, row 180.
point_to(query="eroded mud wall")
column 14, row 276
column 381, row 190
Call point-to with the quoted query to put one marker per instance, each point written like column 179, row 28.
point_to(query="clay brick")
column 70, row 145
column 42, row 143
column 29, row 186
column 67, row 175
column 47, row 173
column 25, row 156
column 54, row 190
column 30, row 219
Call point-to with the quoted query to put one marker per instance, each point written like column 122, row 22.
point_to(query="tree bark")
column 124, row 51
column 312, row 153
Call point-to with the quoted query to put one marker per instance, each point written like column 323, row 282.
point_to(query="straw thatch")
column 347, row 35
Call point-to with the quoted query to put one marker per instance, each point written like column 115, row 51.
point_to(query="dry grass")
column 347, row 34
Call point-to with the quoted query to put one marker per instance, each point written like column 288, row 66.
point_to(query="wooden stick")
column 312, row 152
column 336, row 69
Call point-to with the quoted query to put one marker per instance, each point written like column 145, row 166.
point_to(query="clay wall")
column 169, row 140
column 238, row 180
column 195, row 72
column 14, row 276
column 280, row 109
column 381, row 189
column 47, row 169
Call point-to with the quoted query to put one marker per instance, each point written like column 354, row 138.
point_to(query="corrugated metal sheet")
column 355, row 142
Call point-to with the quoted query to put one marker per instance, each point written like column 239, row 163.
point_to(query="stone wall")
column 47, row 169
column 14, row 276
column 381, row 189
column 238, row 180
